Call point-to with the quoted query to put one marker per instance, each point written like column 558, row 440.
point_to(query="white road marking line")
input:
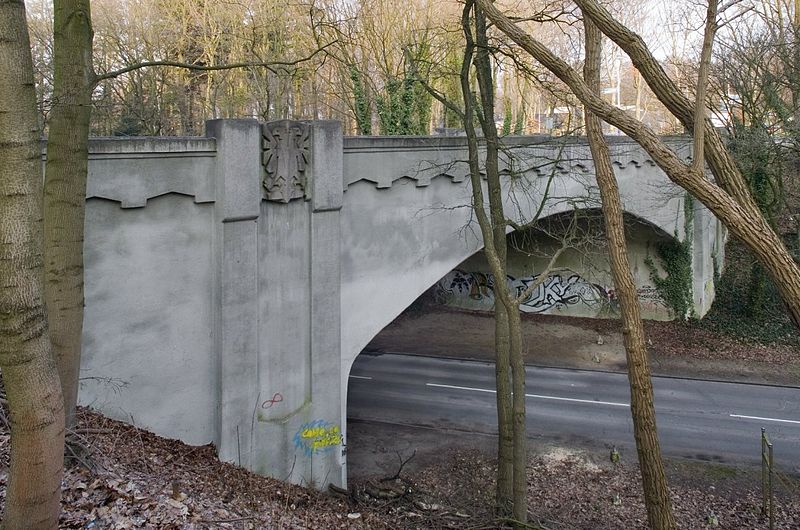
column 359, row 377
column 593, row 402
column 537, row 396
column 763, row 419
column 462, row 388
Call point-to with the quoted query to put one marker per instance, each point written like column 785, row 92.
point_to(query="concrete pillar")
column 238, row 199
column 327, row 184
column 704, row 233
column 279, row 195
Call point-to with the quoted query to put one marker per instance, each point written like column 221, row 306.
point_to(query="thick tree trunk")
column 656, row 493
column 65, row 189
column 733, row 208
column 29, row 373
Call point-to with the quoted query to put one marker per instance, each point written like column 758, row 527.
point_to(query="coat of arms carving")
column 285, row 159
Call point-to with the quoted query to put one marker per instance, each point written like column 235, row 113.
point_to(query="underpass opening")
column 454, row 318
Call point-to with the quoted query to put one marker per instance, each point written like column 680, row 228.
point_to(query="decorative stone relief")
column 285, row 158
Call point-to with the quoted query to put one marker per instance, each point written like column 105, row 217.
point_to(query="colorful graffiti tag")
column 317, row 436
column 555, row 292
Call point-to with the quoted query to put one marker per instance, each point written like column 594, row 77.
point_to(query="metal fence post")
column 767, row 471
column 771, row 493
column 763, row 471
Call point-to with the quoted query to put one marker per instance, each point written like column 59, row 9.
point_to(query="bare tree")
column 494, row 222
column 493, row 230
column 656, row 493
column 29, row 372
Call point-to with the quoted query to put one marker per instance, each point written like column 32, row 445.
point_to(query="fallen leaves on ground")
column 136, row 479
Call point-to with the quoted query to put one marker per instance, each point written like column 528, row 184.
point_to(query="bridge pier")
column 280, row 401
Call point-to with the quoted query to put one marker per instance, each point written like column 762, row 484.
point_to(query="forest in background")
column 358, row 61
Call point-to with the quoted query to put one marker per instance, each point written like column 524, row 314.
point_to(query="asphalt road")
column 714, row 421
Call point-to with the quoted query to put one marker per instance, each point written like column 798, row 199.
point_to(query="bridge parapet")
column 384, row 161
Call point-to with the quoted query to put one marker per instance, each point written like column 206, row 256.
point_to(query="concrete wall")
column 212, row 315
column 148, row 355
column 232, row 280
column 708, row 256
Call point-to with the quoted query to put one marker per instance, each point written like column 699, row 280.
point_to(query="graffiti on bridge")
column 317, row 436
column 649, row 295
column 556, row 291
column 276, row 398
column 476, row 285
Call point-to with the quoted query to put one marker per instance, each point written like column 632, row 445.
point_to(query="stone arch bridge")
column 231, row 280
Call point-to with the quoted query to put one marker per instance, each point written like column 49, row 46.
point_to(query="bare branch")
column 542, row 276
column 702, row 88
column 721, row 163
column 272, row 66
column 401, row 465
column 435, row 94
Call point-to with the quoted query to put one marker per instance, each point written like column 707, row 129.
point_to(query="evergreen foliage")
column 361, row 104
column 507, row 118
column 404, row 108
column 676, row 259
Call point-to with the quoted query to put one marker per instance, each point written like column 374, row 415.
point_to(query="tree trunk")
column 29, row 373
column 656, row 493
column 497, row 257
column 65, row 189
column 495, row 247
column 504, row 495
column 520, row 459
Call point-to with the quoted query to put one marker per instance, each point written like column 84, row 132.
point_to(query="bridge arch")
column 580, row 283
column 407, row 220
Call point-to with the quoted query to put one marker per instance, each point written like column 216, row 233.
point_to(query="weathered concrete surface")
column 148, row 353
column 219, row 312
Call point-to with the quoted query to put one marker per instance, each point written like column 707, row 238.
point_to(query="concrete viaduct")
column 232, row 279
